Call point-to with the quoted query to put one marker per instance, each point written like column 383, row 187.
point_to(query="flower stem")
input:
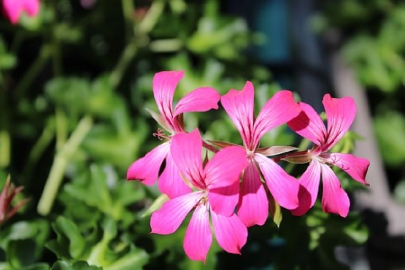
column 210, row 147
column 33, row 71
column 125, row 59
column 5, row 139
column 39, row 147
column 60, row 163
column 128, row 9
column 151, row 18
column 139, row 39
column 304, row 144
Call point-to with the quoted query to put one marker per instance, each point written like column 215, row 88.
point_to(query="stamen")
column 160, row 134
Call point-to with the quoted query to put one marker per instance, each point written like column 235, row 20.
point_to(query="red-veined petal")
column 309, row 125
column 356, row 167
column 340, row 113
column 167, row 219
column 309, row 186
column 239, row 105
column 170, row 181
column 200, row 100
column 146, row 169
column 198, row 237
column 230, row 232
column 186, row 152
column 225, row 167
column 282, row 186
column 223, row 200
column 164, row 85
column 278, row 110
column 334, row 198
column 253, row 208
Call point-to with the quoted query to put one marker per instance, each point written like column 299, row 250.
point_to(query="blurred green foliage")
column 74, row 85
column 373, row 45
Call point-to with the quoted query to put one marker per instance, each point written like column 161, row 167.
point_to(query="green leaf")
column 399, row 192
column 156, row 205
column 20, row 253
column 79, row 265
column 69, row 243
column 7, row 60
column 37, row 266
column 389, row 129
column 214, row 35
column 133, row 260
column 24, row 242
column 275, row 211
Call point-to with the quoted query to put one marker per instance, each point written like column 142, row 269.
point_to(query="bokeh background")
column 74, row 84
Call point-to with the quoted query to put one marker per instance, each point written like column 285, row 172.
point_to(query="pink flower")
column 253, row 204
column 340, row 113
column 146, row 169
column 14, row 8
column 215, row 194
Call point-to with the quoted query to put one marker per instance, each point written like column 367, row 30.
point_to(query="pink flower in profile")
column 215, row 194
column 14, row 8
column 340, row 115
column 253, row 204
column 146, row 169
column 6, row 197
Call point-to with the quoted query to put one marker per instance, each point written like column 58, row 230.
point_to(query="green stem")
column 60, row 163
column 126, row 58
column 166, row 45
column 210, row 147
column 128, row 9
column 152, row 17
column 5, row 139
column 37, row 150
column 140, row 39
column 304, row 144
column 5, row 146
column 33, row 71
column 60, row 128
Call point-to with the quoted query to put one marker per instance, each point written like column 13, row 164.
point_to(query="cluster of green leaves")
column 374, row 47
column 73, row 88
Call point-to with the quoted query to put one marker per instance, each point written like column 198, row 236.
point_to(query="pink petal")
column 282, row 186
column 309, row 125
column 309, row 186
column 230, row 232
column 146, row 169
column 356, row 167
column 170, row 181
column 31, row 7
column 223, row 200
column 200, row 100
column 198, row 237
column 278, row 110
column 340, row 113
column 253, row 208
column 334, row 198
column 164, row 85
column 167, row 219
column 239, row 105
column 13, row 9
column 225, row 167
column 186, row 152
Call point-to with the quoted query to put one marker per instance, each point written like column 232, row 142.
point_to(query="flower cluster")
column 235, row 186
